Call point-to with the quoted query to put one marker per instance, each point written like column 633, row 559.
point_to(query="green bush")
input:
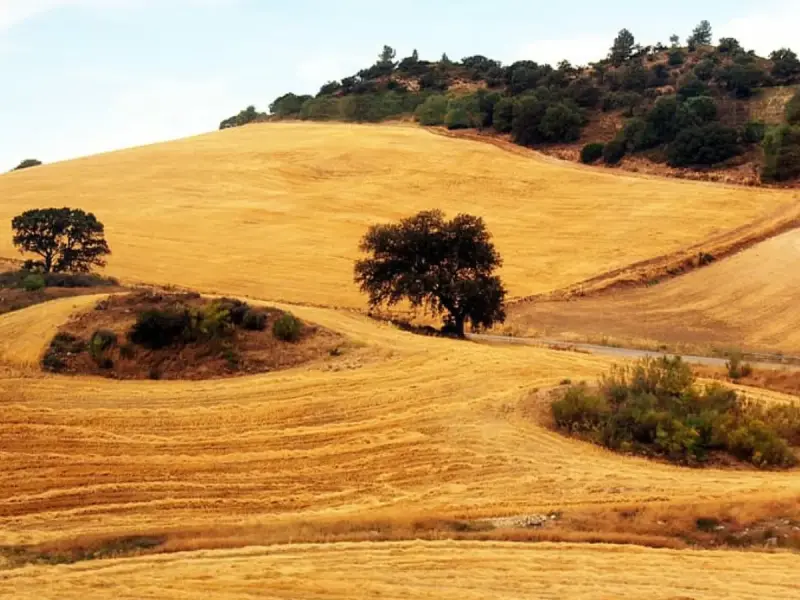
column 753, row 132
column 457, row 118
column 156, row 329
column 255, row 320
column 676, row 57
column 591, row 153
column 639, row 135
column 706, row 145
column 432, row 112
column 736, row 367
column 781, row 154
column 654, row 408
column 614, row 152
column 287, row 328
column 101, row 341
column 579, row 410
column 33, row 282
column 561, row 122
column 503, row 115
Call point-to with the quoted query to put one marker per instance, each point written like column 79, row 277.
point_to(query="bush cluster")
column 27, row 279
column 654, row 408
column 592, row 153
column 63, row 344
column 158, row 328
column 287, row 328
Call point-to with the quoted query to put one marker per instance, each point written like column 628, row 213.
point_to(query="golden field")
column 276, row 211
column 441, row 570
column 748, row 300
column 400, row 427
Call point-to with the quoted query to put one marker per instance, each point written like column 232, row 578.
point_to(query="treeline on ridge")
column 671, row 97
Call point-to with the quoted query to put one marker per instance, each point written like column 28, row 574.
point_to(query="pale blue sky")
column 85, row 76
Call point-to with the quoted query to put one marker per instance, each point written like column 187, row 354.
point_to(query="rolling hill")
column 276, row 211
column 745, row 301
column 232, row 475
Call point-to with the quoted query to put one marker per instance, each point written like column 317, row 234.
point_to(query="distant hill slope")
column 745, row 301
column 276, row 211
column 694, row 111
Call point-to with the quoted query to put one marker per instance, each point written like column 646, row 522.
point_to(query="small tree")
column 785, row 63
column 446, row 266
column 622, row 48
column 27, row 164
column 701, row 35
column 66, row 239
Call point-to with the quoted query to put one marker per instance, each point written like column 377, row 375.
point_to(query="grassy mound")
column 655, row 408
column 183, row 336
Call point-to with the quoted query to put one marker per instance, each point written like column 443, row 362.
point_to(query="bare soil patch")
column 231, row 350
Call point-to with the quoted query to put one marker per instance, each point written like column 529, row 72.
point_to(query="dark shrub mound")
column 614, row 152
column 63, row 345
column 255, row 320
column 591, row 153
column 156, row 329
column 654, row 408
column 287, row 328
column 101, row 341
column 33, row 282
column 17, row 279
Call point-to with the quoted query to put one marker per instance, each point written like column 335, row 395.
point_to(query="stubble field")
column 399, row 426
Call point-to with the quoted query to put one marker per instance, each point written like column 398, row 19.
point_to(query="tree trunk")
column 458, row 321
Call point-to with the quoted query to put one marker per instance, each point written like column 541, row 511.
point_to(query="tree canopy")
column 27, row 164
column 65, row 239
column 623, row 47
column 701, row 35
column 444, row 266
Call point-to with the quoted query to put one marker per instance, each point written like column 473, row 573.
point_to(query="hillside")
column 746, row 301
column 695, row 111
column 276, row 211
column 403, row 468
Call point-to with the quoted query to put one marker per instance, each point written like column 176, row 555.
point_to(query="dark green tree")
column 528, row 114
column 27, row 164
column 729, row 45
column 444, row 266
column 623, row 47
column 503, row 117
column 65, row 239
column 704, row 145
column 701, row 35
column 561, row 122
column 785, row 63
column 781, row 154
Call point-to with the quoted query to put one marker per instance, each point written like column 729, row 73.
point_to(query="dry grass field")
column 400, row 427
column 425, row 571
column 275, row 211
column 748, row 301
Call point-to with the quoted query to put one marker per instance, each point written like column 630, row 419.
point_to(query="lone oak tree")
column 66, row 239
column 446, row 266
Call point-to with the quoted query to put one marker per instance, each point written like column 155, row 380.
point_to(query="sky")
column 88, row 76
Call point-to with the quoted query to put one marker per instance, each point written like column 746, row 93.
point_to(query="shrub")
column 101, row 341
column 287, row 328
column 654, row 408
column 704, row 70
column 156, row 329
column 736, row 367
column 528, row 114
column 638, row 135
column 591, row 153
column 255, row 320
column 753, row 132
column 706, row 145
column 503, row 115
column 580, row 410
column 561, row 123
column 614, row 152
column 457, row 118
column 781, row 154
column 432, row 111
column 63, row 344
column 676, row 57
column 33, row 282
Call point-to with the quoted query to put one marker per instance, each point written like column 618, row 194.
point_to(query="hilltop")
column 692, row 110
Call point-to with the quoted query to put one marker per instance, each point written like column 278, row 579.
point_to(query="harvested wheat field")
column 238, row 482
column 443, row 570
column 748, row 301
column 275, row 211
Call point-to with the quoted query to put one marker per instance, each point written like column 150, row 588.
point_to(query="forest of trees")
column 669, row 95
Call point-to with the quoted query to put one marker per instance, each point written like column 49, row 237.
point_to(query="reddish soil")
column 237, row 352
